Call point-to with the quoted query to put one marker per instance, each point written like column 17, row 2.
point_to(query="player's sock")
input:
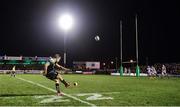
column 57, row 88
column 65, row 83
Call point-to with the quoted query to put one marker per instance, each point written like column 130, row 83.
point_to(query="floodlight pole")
column 65, row 23
column 121, row 67
column 137, row 58
column 65, row 53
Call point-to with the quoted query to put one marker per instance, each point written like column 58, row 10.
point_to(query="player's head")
column 57, row 57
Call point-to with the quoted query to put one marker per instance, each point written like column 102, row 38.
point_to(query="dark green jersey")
column 51, row 66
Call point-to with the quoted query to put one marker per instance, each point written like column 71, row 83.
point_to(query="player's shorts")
column 52, row 75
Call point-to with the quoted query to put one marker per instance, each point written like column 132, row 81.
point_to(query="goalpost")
column 137, row 54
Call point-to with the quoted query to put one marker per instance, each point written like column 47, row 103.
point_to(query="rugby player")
column 51, row 73
column 13, row 71
column 163, row 73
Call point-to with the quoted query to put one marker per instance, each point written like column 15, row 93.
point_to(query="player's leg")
column 11, row 73
column 63, row 81
column 52, row 75
column 162, row 74
column 154, row 75
column 150, row 75
column 14, row 74
column 58, row 87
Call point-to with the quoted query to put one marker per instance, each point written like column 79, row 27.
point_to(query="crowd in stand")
column 22, row 67
column 158, row 68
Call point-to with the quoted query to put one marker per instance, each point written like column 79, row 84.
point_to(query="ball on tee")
column 75, row 84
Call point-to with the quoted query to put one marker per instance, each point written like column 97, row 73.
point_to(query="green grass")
column 125, row 91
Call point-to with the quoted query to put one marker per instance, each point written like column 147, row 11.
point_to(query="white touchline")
column 70, row 96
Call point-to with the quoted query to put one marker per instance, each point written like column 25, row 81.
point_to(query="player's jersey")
column 51, row 72
column 163, row 69
column 52, row 65
column 154, row 70
column 13, row 69
column 148, row 69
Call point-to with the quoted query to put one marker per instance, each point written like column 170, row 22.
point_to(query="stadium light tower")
column 65, row 23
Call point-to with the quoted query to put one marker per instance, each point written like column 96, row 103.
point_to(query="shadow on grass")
column 14, row 95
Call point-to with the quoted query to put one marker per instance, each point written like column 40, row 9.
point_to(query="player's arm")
column 45, row 68
column 61, row 67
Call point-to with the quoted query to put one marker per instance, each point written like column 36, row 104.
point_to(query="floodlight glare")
column 66, row 22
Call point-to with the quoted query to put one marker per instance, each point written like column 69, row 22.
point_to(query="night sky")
column 29, row 28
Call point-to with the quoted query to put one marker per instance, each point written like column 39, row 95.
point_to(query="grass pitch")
column 98, row 90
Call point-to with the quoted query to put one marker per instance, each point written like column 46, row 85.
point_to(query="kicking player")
column 51, row 73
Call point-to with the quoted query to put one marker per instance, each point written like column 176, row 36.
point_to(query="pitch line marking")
column 97, row 93
column 94, row 96
column 110, row 92
column 70, row 96
column 51, row 99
